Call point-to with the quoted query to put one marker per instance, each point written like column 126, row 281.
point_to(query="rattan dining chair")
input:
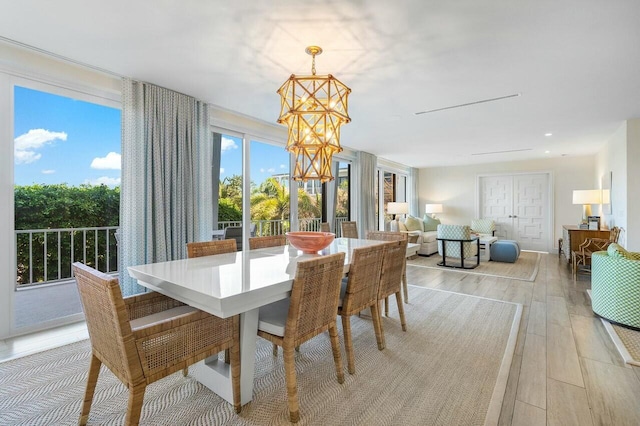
column 360, row 291
column 147, row 337
column 209, row 248
column 311, row 310
column 324, row 227
column 349, row 229
column 391, row 278
column 581, row 258
column 267, row 241
column 393, row 236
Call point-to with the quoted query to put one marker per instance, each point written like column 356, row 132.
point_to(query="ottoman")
column 505, row 251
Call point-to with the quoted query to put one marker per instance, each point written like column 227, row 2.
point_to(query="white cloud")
column 104, row 180
column 48, row 172
column 228, row 144
column 110, row 162
column 26, row 144
column 261, row 170
column 271, row 170
column 282, row 166
column 221, row 170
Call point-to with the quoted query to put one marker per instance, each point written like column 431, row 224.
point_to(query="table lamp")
column 433, row 209
column 395, row 209
column 586, row 197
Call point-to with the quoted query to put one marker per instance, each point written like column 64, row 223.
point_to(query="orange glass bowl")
column 310, row 242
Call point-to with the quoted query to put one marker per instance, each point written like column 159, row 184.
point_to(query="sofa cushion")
column 413, row 224
column 429, row 236
column 430, row 224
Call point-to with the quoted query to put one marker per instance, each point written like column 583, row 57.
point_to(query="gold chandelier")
column 313, row 107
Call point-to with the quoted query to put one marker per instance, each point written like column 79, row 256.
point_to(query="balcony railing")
column 44, row 256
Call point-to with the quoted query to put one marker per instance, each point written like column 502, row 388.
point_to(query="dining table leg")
column 215, row 374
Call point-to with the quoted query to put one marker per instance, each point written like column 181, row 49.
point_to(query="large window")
column 393, row 187
column 230, row 180
column 67, row 197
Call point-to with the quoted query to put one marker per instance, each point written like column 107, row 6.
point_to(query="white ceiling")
column 575, row 63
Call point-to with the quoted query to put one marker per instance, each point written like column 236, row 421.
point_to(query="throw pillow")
column 616, row 250
column 430, row 224
column 402, row 226
column 413, row 224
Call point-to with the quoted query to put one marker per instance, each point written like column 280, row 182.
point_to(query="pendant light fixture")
column 313, row 107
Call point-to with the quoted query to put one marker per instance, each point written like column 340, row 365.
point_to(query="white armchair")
column 484, row 226
column 456, row 241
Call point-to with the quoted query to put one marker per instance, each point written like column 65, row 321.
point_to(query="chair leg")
column 405, row 286
column 386, row 306
column 94, row 371
column 275, row 349
column 134, row 406
column 185, row 372
column 227, row 357
column 403, row 321
column 234, row 353
column 335, row 347
column 377, row 325
column 292, row 386
column 348, row 343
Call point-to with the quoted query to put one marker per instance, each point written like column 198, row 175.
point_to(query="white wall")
column 633, row 185
column 613, row 158
column 455, row 187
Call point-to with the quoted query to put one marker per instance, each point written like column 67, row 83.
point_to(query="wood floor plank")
column 509, row 400
column 540, row 291
column 528, row 415
column 557, row 311
column 522, row 330
column 578, row 303
column 613, row 393
column 593, row 341
column 538, row 318
column 554, row 288
column 562, row 356
column 532, row 384
column 567, row 405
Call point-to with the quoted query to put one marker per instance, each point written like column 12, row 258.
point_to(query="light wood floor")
column 566, row 371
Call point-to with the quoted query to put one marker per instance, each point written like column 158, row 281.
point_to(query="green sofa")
column 615, row 286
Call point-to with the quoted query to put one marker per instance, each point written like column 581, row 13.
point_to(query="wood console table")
column 573, row 236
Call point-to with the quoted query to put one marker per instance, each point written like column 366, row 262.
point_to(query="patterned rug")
column 450, row 367
column 524, row 269
column 626, row 341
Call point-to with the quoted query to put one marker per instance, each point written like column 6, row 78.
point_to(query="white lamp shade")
column 397, row 208
column 433, row 208
column 587, row 196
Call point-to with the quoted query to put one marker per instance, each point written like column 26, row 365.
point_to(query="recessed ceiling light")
column 548, row 134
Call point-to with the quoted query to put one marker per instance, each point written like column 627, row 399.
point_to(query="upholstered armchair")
column 456, row 241
column 615, row 286
column 483, row 226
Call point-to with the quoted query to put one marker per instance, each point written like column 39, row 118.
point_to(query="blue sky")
column 63, row 140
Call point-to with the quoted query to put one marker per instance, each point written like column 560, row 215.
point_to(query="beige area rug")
column 626, row 341
column 524, row 269
column 449, row 368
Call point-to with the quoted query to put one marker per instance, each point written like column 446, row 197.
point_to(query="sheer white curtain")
column 166, row 190
column 367, row 164
column 332, row 196
column 412, row 196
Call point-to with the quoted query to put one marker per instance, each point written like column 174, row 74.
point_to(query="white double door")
column 519, row 205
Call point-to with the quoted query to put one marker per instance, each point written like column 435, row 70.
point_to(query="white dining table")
column 236, row 283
